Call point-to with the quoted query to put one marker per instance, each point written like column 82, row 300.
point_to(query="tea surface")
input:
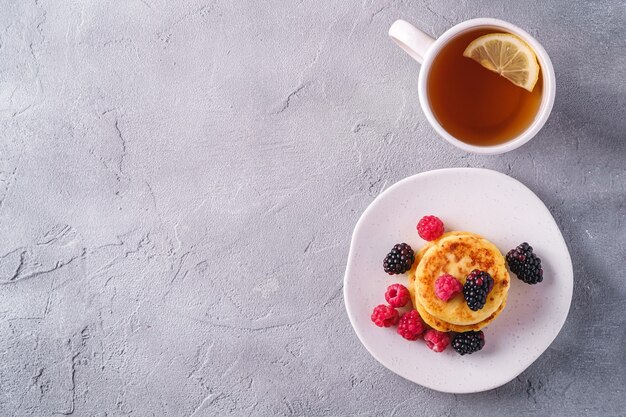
column 474, row 104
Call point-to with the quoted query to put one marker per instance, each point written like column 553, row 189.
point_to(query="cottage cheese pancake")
column 431, row 320
column 444, row 326
column 457, row 254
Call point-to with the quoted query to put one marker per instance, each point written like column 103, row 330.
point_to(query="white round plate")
column 476, row 200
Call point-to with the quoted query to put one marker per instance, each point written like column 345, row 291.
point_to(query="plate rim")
column 359, row 225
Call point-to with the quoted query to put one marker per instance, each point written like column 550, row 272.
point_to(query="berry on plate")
column 436, row 340
column 411, row 325
column 385, row 316
column 477, row 286
column 397, row 295
column 525, row 264
column 446, row 287
column 430, row 228
column 468, row 342
column 399, row 259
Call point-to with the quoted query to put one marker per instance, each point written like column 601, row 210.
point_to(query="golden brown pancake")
column 443, row 326
column 429, row 319
column 457, row 254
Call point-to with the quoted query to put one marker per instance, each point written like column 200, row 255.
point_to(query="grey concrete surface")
column 179, row 181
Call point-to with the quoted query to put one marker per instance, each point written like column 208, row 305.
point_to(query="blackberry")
column 525, row 264
column 468, row 342
column 477, row 286
column 399, row 260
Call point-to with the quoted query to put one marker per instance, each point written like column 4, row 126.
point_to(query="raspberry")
column 430, row 228
column 410, row 325
column 468, row 342
column 446, row 287
column 525, row 264
column 477, row 285
column 399, row 259
column 436, row 340
column 397, row 295
column 385, row 316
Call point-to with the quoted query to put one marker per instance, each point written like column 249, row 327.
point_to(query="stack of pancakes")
column 457, row 254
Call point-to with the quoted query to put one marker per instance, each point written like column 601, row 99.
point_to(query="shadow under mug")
column 424, row 49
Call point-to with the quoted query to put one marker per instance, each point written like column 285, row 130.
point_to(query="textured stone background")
column 179, row 181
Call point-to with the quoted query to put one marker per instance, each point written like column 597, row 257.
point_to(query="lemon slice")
column 507, row 55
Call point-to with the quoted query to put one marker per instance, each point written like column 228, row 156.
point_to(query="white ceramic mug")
column 424, row 49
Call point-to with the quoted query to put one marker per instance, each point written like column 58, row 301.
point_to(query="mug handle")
column 411, row 39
